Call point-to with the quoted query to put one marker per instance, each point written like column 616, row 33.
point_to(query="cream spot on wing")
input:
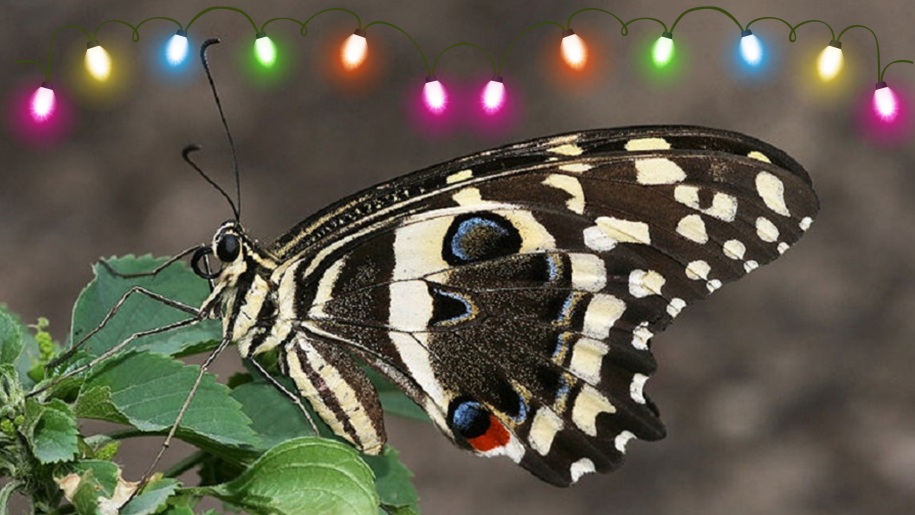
column 759, row 156
column 698, row 269
column 675, row 307
column 609, row 231
column 568, row 149
column 570, row 185
column 772, row 191
column 622, row 439
column 643, row 283
column 658, row 170
column 636, row 388
column 603, row 311
column 637, row 144
column 713, row 285
column 543, row 430
column 580, row 468
column 734, row 249
column 724, row 207
column 588, row 405
column 640, row 336
column 463, row 175
column 588, row 272
column 587, row 357
column 687, row 195
column 766, row 230
column 805, row 223
column 782, row 247
column 576, row 167
column 750, row 265
column 468, row 197
column 692, row 228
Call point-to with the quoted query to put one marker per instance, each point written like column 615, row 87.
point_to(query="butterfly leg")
column 110, row 352
column 184, row 407
column 154, row 271
column 117, row 306
column 279, row 386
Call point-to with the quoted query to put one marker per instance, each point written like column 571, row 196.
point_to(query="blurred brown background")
column 789, row 392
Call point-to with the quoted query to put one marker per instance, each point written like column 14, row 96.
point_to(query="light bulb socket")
column 182, row 33
column 568, row 32
column 836, row 43
column 496, row 78
column 359, row 32
column 91, row 44
column 668, row 35
column 46, row 84
column 746, row 33
column 260, row 35
column 881, row 85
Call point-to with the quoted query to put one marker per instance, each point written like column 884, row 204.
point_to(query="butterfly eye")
column 227, row 248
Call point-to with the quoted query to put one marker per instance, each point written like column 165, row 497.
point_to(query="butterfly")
column 512, row 294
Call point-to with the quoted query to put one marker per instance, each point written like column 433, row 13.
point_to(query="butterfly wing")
column 512, row 294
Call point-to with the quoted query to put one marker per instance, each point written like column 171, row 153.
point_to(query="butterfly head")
column 236, row 252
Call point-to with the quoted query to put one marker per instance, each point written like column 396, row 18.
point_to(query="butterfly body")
column 512, row 294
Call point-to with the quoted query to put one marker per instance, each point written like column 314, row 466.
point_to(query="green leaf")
column 148, row 390
column 305, row 475
column 93, row 484
column 153, row 498
column 50, row 430
column 139, row 312
column 392, row 480
column 274, row 416
column 10, row 339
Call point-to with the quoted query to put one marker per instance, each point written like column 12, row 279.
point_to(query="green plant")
column 254, row 450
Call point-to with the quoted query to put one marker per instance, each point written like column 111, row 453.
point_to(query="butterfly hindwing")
column 512, row 294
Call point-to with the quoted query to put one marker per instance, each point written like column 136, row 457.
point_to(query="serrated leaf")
column 153, row 498
column 10, row 339
column 140, row 312
column 305, row 475
column 392, row 480
column 274, row 416
column 50, row 429
column 148, row 390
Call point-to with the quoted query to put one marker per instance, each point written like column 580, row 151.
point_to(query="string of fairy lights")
column 573, row 49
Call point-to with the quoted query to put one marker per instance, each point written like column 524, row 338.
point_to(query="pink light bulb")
column 42, row 102
column 493, row 95
column 434, row 95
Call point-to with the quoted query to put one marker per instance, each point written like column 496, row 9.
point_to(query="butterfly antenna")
column 186, row 155
column 236, row 206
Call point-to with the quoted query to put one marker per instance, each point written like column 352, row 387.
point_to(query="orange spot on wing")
column 495, row 436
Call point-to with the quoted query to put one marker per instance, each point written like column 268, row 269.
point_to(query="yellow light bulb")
column 98, row 62
column 830, row 61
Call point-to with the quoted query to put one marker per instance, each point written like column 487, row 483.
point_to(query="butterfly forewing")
column 512, row 294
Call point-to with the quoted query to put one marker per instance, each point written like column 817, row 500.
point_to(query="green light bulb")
column 663, row 50
column 265, row 50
